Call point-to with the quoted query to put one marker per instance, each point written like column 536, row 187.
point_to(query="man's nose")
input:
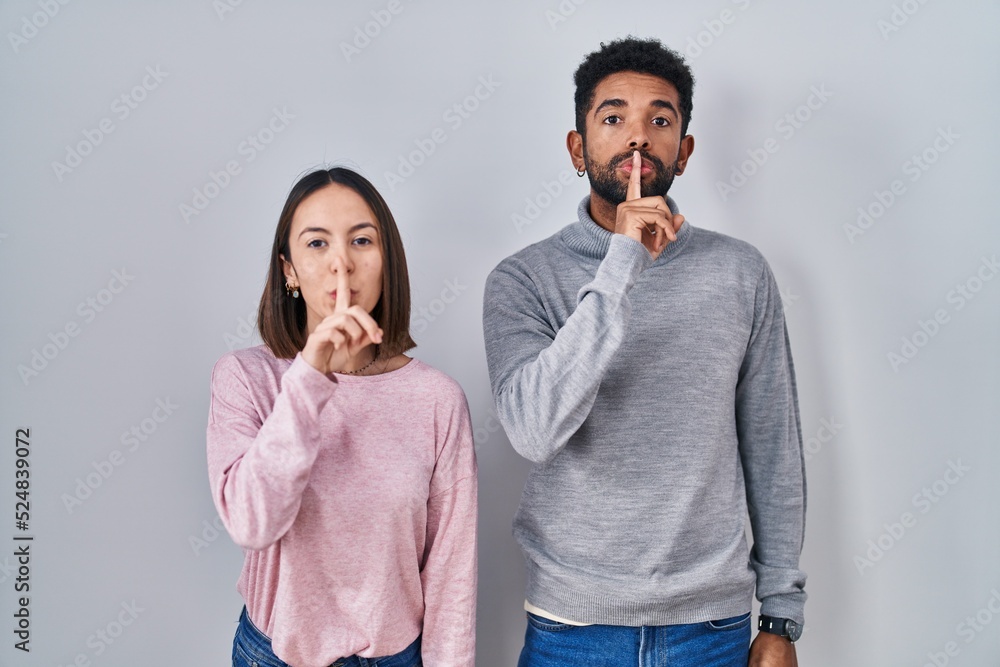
column 638, row 135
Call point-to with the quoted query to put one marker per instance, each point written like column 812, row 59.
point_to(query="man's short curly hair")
column 646, row 56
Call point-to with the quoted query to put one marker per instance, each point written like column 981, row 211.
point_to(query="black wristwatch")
column 784, row 627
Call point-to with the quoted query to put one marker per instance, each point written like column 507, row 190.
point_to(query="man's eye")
column 612, row 120
column 662, row 122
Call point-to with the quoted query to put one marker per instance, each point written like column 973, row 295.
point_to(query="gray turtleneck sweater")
column 657, row 401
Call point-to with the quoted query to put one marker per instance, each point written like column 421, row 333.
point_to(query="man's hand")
column 770, row 650
column 648, row 220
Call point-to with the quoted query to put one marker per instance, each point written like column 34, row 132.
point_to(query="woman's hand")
column 342, row 334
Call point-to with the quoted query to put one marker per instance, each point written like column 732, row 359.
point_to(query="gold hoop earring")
column 292, row 290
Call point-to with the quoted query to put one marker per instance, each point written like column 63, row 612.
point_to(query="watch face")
column 793, row 629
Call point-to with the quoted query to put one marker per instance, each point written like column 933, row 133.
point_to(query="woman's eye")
column 362, row 240
column 316, row 243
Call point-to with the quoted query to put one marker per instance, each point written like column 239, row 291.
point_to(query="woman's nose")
column 341, row 263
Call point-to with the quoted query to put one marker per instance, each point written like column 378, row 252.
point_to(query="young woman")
column 344, row 468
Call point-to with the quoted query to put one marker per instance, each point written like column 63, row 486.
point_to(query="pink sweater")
column 354, row 499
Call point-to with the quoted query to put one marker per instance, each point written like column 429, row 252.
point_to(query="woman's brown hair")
column 281, row 319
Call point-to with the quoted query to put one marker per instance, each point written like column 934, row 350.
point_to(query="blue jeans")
column 721, row 643
column 252, row 648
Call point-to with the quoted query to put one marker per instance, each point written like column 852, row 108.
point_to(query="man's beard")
column 605, row 183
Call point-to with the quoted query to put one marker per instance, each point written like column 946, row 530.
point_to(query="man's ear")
column 574, row 143
column 683, row 153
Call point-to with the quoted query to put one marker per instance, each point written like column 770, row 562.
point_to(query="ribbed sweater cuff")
column 785, row 606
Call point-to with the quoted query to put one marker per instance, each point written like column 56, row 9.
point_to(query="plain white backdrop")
column 148, row 148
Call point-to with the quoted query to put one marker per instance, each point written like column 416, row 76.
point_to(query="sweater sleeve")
column 448, row 573
column 770, row 444
column 545, row 381
column 258, row 468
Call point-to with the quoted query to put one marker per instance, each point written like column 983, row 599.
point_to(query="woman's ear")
column 288, row 270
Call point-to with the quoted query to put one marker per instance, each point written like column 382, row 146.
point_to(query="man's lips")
column 626, row 166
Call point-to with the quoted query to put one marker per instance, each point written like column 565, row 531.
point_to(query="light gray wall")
column 898, row 77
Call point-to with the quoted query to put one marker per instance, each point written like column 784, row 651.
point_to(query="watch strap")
column 779, row 626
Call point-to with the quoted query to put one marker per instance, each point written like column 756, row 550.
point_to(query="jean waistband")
column 408, row 657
